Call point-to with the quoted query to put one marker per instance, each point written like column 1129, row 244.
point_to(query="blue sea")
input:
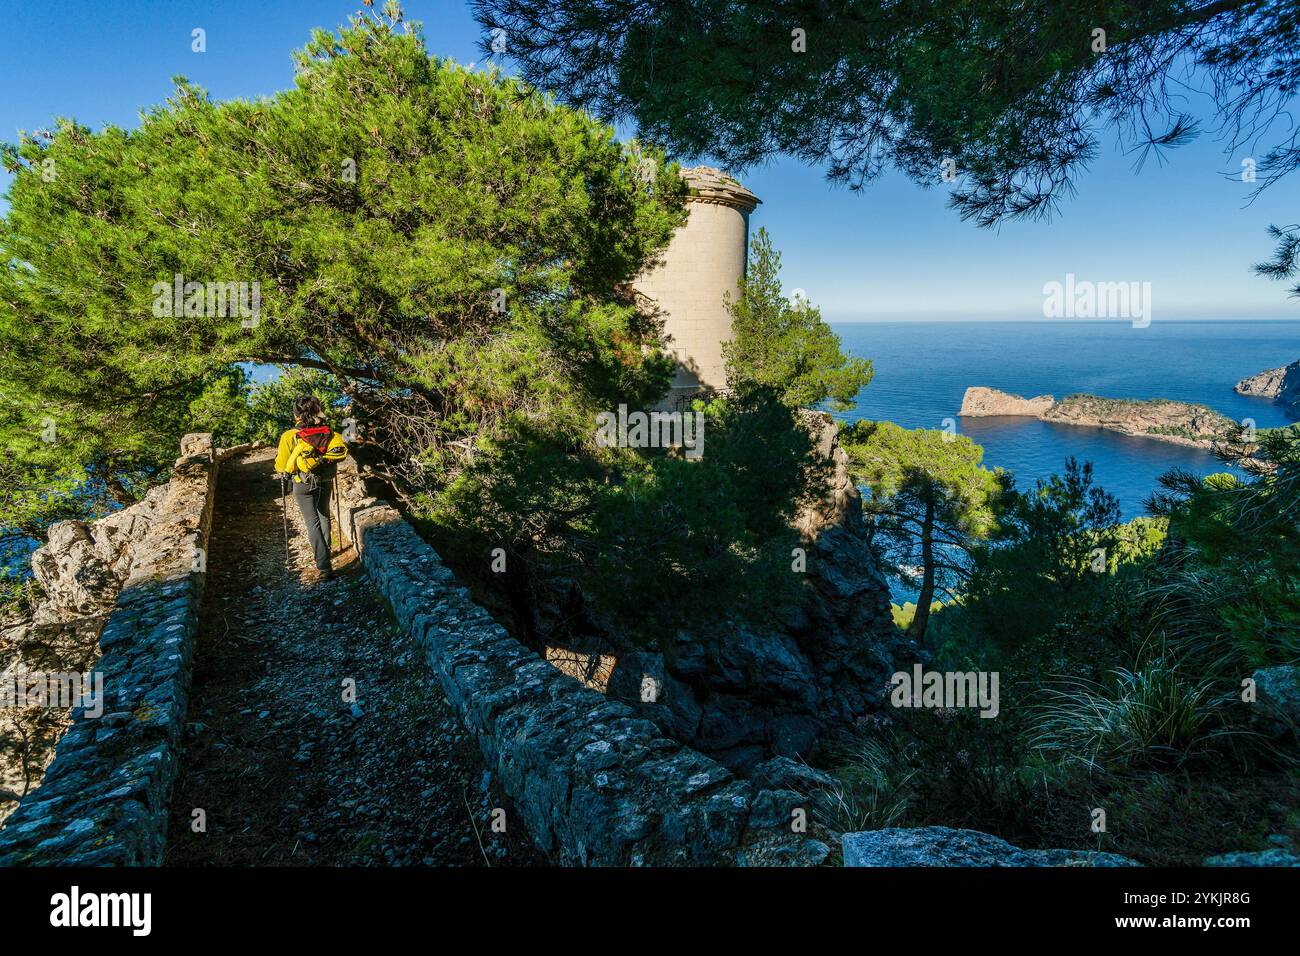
column 922, row 369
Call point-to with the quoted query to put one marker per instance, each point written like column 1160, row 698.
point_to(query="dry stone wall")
column 104, row 798
column 593, row 783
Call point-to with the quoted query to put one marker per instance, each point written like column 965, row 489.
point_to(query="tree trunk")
column 922, row 617
column 117, row 490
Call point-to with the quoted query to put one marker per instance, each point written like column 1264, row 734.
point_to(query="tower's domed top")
column 709, row 184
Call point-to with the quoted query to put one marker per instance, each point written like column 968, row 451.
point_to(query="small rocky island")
column 1280, row 384
column 1179, row 422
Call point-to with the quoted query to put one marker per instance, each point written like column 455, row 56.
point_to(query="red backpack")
column 318, row 436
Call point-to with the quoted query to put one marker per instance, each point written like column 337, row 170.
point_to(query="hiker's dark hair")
column 308, row 410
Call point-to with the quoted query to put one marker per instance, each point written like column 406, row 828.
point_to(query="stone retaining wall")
column 594, row 784
column 104, row 798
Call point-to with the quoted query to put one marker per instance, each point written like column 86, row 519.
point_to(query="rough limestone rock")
column 81, row 570
column 981, row 402
column 643, row 678
column 1280, row 384
column 82, row 565
column 782, row 773
column 1275, row 857
column 750, row 693
column 942, row 846
column 1277, row 705
column 72, row 575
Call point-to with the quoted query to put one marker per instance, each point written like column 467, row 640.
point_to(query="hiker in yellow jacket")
column 310, row 453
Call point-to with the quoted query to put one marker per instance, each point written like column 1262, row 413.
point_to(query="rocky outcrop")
column 750, row 692
column 594, row 783
column 104, row 798
column 80, row 570
column 1282, row 385
column 942, row 846
column 1180, row 423
column 82, row 565
column 1273, row 857
column 981, row 402
column 1266, row 384
column 1276, row 710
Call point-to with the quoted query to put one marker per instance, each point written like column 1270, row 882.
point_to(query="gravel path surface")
column 287, row 769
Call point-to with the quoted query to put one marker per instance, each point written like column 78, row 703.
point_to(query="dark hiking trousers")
column 315, row 509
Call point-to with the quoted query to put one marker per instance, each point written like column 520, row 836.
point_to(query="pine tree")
column 782, row 344
column 453, row 248
column 931, row 501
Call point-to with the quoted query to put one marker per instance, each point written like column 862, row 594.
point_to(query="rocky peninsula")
column 1181, row 423
column 1280, row 384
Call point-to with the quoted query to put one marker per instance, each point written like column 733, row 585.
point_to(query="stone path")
column 285, row 769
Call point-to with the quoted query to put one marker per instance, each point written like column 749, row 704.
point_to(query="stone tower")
column 704, row 261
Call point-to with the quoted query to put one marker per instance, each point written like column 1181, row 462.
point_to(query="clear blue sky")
column 894, row 251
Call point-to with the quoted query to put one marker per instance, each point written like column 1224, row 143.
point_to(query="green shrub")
column 870, row 791
column 1149, row 716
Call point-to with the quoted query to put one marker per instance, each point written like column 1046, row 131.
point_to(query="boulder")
column 943, row 846
column 792, row 734
column 765, row 663
column 782, row 773
column 1277, row 706
column 641, row 680
column 727, row 722
column 82, row 565
column 775, row 808
column 73, row 576
column 1274, row 857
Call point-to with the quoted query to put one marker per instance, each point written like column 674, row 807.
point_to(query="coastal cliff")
column 980, row 402
column 1280, row 384
column 745, row 693
column 1177, row 422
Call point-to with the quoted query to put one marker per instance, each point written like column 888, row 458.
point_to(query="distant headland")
column 1181, row 423
column 1280, row 384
